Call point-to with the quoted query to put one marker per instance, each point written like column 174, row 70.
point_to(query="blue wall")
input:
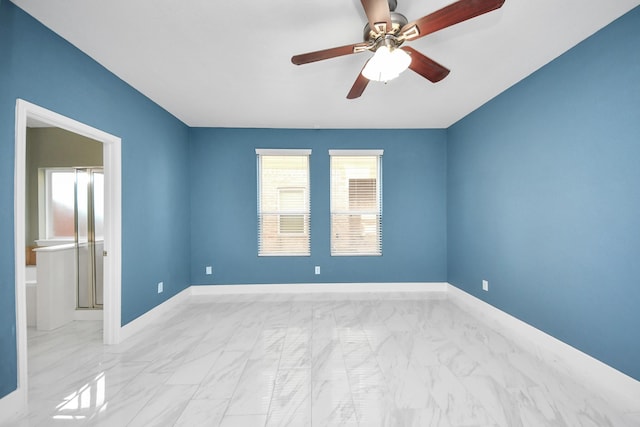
column 42, row 68
column 224, row 206
column 544, row 198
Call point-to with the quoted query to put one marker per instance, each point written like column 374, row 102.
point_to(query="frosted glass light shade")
column 386, row 64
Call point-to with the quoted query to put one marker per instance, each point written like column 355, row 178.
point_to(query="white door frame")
column 112, row 232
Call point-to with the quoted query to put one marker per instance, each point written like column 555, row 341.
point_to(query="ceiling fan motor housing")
column 398, row 21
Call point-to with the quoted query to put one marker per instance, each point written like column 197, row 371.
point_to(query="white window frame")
column 335, row 251
column 306, row 213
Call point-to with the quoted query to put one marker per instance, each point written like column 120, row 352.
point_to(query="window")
column 356, row 202
column 283, row 202
column 58, row 218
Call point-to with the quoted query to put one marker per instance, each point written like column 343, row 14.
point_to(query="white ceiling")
column 215, row 63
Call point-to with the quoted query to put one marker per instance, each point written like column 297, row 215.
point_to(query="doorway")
column 28, row 114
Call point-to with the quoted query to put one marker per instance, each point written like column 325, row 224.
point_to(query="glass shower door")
column 98, row 235
column 89, row 237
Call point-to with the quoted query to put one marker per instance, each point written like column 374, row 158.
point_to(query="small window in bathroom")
column 57, row 219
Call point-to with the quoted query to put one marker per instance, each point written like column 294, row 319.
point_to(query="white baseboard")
column 13, row 405
column 624, row 390
column 80, row 314
column 150, row 317
column 304, row 288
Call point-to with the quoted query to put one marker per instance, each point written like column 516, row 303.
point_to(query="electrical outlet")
column 485, row 285
column 160, row 287
column 317, row 269
column 209, row 269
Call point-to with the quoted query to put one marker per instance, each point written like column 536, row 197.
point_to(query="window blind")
column 284, row 211
column 356, row 202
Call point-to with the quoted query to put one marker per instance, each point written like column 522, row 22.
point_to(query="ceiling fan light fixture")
column 387, row 30
column 386, row 64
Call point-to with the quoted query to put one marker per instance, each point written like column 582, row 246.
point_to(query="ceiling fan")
column 387, row 31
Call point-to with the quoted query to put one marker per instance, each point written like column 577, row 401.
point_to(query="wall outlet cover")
column 160, row 287
column 485, row 285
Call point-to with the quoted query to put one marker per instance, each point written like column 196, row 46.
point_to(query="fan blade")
column 448, row 16
column 378, row 14
column 426, row 67
column 359, row 85
column 334, row 52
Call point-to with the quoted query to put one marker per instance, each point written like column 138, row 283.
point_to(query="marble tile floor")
column 305, row 360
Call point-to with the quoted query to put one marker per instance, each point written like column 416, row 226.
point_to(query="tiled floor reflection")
column 304, row 360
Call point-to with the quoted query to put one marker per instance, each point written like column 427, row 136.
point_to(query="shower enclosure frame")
column 94, row 255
